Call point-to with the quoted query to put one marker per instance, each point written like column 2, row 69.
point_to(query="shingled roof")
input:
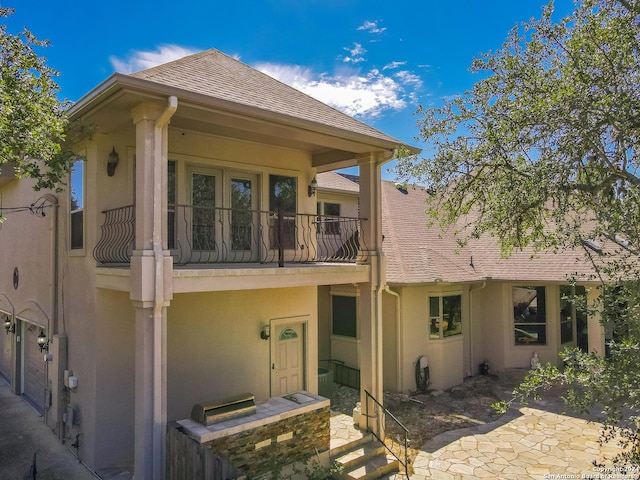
column 420, row 252
column 332, row 181
column 215, row 74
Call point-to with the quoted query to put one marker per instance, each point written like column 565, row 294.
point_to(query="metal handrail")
column 405, row 430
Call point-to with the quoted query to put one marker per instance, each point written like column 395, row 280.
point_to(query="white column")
column 151, row 292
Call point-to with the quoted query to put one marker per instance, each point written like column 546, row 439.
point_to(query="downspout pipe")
column 471, row 289
column 388, row 290
column 53, row 200
column 54, row 328
column 158, row 397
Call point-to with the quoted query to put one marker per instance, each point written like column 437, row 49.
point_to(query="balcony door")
column 206, row 220
column 243, row 232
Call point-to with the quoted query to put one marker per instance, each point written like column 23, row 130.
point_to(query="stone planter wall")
column 280, row 443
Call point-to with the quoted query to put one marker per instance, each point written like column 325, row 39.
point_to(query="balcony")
column 210, row 236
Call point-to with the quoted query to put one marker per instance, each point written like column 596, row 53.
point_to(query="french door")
column 224, row 217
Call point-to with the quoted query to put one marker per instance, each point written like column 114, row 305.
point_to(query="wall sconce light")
column 43, row 343
column 112, row 162
column 312, row 187
column 265, row 333
column 8, row 326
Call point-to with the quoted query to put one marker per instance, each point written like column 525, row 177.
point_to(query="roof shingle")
column 418, row 251
column 215, row 74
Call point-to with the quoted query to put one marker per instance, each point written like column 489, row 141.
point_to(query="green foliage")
column 543, row 152
column 553, row 128
column 32, row 119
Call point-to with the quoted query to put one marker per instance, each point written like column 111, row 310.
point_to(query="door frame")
column 227, row 177
column 274, row 323
column 218, row 204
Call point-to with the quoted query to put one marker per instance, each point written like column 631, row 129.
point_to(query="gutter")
column 119, row 81
column 158, row 400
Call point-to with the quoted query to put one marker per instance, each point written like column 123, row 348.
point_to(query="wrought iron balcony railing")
column 206, row 235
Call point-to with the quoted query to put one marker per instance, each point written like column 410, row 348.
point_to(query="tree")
column 543, row 152
column 32, row 119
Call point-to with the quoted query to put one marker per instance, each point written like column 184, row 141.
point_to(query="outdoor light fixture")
column 9, row 326
column 265, row 333
column 112, row 162
column 43, row 343
column 312, row 187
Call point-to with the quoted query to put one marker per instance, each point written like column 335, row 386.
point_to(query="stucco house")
column 186, row 261
column 460, row 307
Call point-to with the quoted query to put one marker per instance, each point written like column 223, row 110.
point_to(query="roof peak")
column 217, row 75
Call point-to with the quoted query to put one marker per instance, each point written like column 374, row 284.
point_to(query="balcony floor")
column 242, row 276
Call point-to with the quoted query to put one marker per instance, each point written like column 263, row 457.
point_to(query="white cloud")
column 408, row 78
column 365, row 95
column 141, row 60
column 356, row 54
column 356, row 50
column 371, row 27
column 393, row 65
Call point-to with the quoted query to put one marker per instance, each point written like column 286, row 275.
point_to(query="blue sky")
column 375, row 60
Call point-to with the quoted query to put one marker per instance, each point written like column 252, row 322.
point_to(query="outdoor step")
column 361, row 456
column 347, row 447
column 382, row 471
column 366, row 461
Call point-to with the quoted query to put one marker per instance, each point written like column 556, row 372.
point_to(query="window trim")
column 330, row 226
column 545, row 324
column 78, row 251
column 357, row 302
column 572, row 319
column 440, row 317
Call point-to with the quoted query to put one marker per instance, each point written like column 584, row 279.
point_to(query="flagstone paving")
column 529, row 442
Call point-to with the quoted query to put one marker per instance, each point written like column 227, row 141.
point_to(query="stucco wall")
column 324, row 324
column 26, row 243
column 490, row 308
column 214, row 345
column 390, row 347
column 115, row 328
column 445, row 356
column 348, row 203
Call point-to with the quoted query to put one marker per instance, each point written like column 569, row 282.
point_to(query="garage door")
column 5, row 351
column 33, row 367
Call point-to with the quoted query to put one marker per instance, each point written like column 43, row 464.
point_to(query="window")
column 573, row 313
column 344, row 315
column 171, row 204
column 328, row 213
column 445, row 316
column 282, row 193
column 77, row 204
column 282, row 198
column 203, row 228
column 241, row 215
column 529, row 315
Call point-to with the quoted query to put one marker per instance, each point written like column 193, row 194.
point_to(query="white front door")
column 287, row 359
